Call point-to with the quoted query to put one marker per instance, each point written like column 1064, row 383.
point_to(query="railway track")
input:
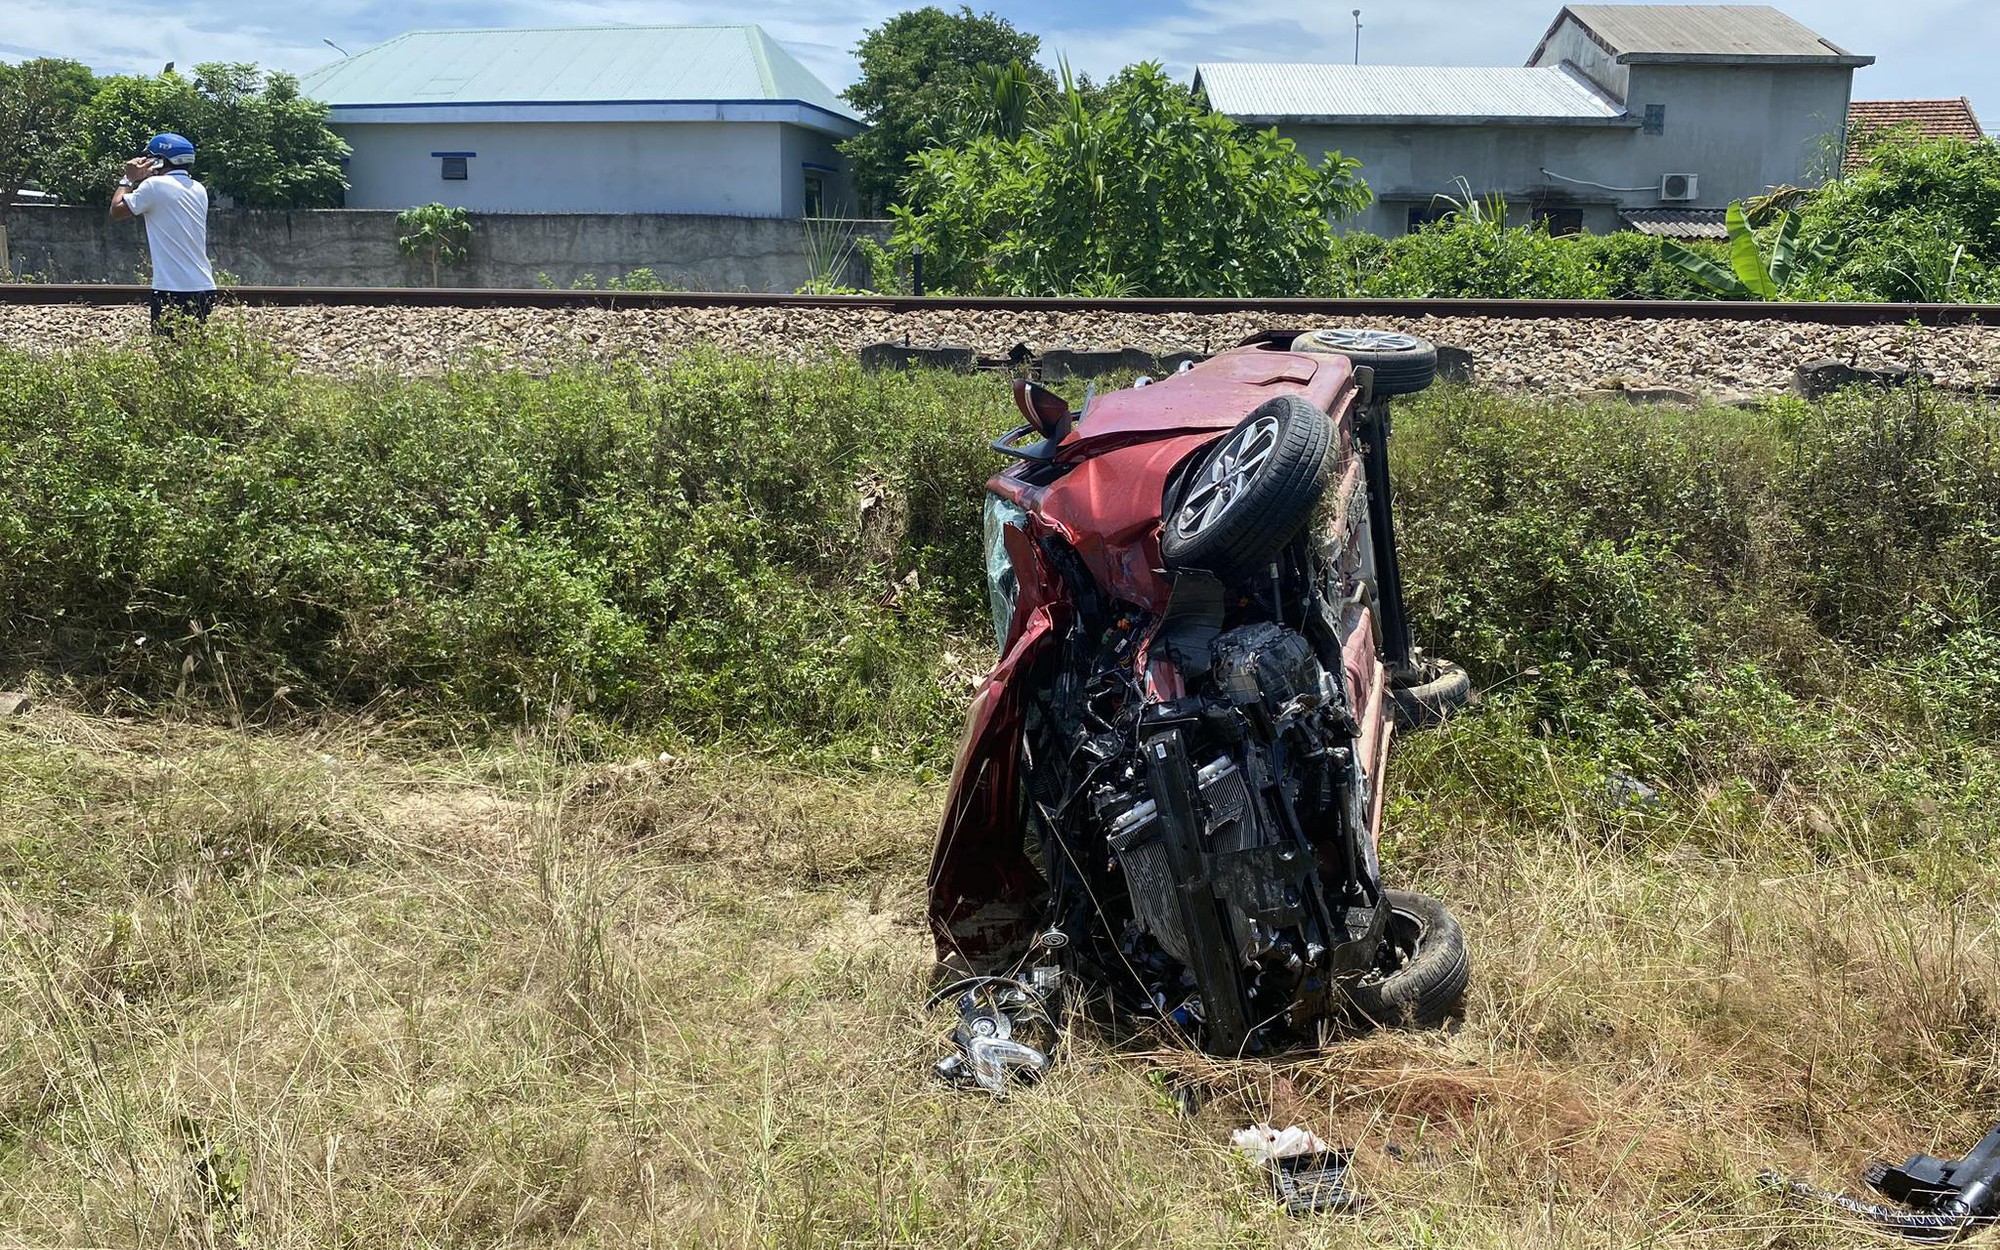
column 1318, row 310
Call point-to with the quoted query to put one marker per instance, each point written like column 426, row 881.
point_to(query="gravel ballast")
column 1566, row 356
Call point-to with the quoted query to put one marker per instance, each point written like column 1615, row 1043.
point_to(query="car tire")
column 1429, row 693
column 1251, row 491
column 1422, row 971
column 1403, row 363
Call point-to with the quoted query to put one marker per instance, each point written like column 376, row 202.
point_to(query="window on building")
column 1561, row 220
column 452, row 165
column 818, row 185
column 1422, row 215
column 346, row 181
column 1656, row 120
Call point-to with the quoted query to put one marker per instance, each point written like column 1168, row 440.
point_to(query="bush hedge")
column 1480, row 258
column 726, row 547
column 788, row 556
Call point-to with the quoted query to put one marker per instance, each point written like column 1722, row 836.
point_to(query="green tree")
column 268, row 146
column 1921, row 221
column 1150, row 193
column 919, row 71
column 39, row 101
column 435, row 234
column 257, row 139
column 126, row 111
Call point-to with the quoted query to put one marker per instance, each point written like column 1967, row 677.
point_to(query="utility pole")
column 1357, row 36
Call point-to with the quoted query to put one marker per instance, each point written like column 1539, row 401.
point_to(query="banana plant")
column 1002, row 102
column 1751, row 273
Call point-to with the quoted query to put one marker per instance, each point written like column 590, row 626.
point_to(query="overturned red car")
column 1170, row 791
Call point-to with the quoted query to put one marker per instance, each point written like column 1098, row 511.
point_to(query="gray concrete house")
column 600, row 119
column 1644, row 116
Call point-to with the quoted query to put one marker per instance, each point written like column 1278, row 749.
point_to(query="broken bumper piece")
column 1005, row 1030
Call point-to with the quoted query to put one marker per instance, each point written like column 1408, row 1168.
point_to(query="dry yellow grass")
column 319, row 988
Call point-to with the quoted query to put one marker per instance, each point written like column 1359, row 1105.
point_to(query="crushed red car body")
column 1170, row 789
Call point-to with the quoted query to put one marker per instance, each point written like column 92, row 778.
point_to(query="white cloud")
column 120, row 36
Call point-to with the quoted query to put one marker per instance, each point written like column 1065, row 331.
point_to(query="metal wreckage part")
column 1233, row 929
column 1315, row 1184
column 1223, row 879
column 1307, row 1176
column 1174, row 770
column 1226, row 892
column 1942, row 1199
column 1006, row 1027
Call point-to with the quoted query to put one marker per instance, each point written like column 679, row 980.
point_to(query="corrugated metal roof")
column 1389, row 94
column 572, row 64
column 1678, row 223
column 1707, row 31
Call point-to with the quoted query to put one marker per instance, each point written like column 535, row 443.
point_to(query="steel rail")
column 101, row 294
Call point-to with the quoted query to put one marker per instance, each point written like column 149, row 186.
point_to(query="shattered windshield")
column 1003, row 587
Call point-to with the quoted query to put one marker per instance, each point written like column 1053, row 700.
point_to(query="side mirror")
column 1047, row 412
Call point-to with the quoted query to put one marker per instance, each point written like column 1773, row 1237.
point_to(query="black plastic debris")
column 1314, row 1184
column 1308, row 1177
column 1939, row 1199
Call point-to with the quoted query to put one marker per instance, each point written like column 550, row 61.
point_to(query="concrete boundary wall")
column 357, row 247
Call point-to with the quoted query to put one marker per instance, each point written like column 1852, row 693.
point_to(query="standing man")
column 158, row 188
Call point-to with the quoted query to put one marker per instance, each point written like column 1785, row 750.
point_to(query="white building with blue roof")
column 596, row 119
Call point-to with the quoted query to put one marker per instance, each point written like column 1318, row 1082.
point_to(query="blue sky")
column 1924, row 48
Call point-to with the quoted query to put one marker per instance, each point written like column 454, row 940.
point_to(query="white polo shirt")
column 175, row 209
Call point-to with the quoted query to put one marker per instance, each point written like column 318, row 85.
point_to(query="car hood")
column 1213, row 395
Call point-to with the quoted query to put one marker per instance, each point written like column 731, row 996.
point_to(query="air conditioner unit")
column 1679, row 186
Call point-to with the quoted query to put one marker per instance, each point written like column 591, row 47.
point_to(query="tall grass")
column 498, row 997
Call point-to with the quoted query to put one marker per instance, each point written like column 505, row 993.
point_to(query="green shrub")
column 1559, row 553
column 1354, row 263
column 1611, row 569
column 1631, row 265
column 1478, row 257
column 641, row 279
column 1467, row 257
column 1920, row 221
column 1891, row 507
column 688, row 547
column 785, row 555
column 435, row 234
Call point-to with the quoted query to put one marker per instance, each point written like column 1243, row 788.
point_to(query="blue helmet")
column 171, row 148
